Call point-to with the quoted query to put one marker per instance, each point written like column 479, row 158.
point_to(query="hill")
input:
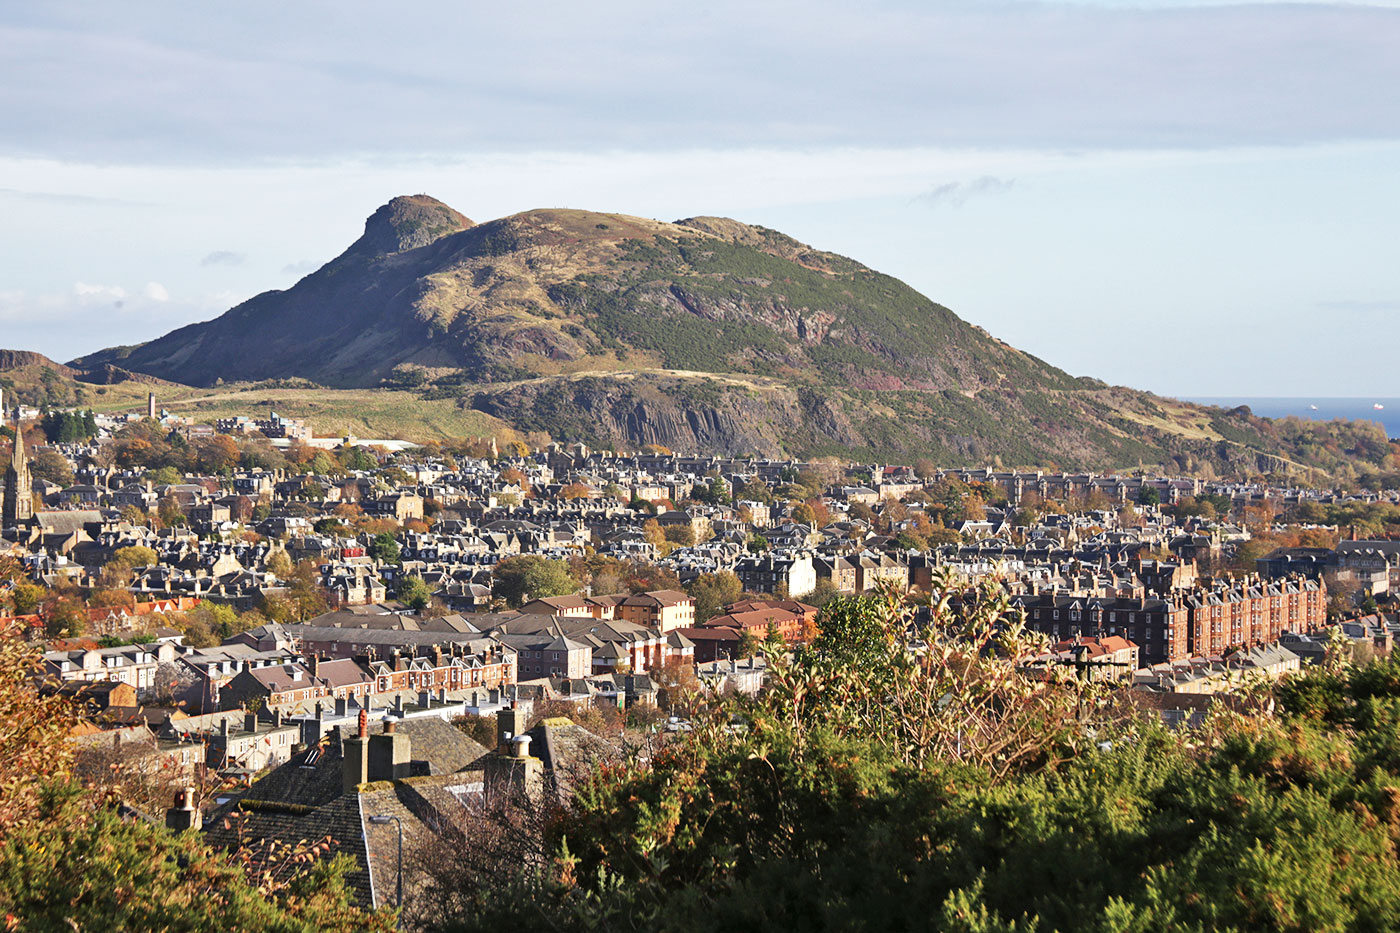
column 703, row 334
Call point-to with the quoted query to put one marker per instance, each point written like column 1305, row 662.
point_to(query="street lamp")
column 384, row 820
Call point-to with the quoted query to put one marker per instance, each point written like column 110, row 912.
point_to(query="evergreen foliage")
column 875, row 789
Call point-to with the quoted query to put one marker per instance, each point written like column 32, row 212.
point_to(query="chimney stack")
column 185, row 814
column 509, row 724
column 355, row 757
column 389, row 754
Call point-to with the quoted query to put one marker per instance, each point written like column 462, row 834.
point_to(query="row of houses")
column 1203, row 622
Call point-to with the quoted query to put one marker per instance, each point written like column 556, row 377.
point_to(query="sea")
column 1320, row 409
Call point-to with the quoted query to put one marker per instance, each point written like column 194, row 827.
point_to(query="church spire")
column 19, row 485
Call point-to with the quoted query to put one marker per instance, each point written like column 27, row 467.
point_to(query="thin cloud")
column 957, row 193
column 896, row 74
column 300, row 268
column 55, row 197
column 86, row 290
column 223, row 257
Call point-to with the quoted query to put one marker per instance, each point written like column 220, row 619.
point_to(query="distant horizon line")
column 1274, row 398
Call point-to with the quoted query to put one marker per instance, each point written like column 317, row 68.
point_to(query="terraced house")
column 1204, row 622
column 1158, row 627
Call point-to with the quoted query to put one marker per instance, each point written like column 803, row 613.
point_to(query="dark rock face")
column 678, row 414
column 407, row 223
column 21, row 359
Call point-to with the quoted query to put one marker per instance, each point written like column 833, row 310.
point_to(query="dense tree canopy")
column 521, row 579
column 713, row 591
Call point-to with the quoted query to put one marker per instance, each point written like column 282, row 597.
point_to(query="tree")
column 824, row 593
column 64, row 614
column 26, row 598
column 357, row 460
column 656, row 536
column 1148, row 495
column 712, row 592
column 111, row 599
column 68, row 427
column 171, row 512
column 412, row 592
column 755, row 490
column 280, row 564
column 384, row 548
column 217, row 454
column 527, row 576
column 716, row 492
column 165, row 476
column 911, row 541
column 676, row 684
column 748, row 645
column 853, row 632
column 52, row 466
column 647, row 576
column 682, row 535
column 210, row 623
column 305, row 592
column 137, row 555
column 941, row 536
column 516, row 478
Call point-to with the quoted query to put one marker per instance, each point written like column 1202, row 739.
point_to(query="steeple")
column 19, row 486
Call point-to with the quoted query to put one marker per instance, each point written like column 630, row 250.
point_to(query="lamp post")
column 384, row 820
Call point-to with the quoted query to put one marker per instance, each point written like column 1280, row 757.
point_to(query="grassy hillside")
column 705, row 334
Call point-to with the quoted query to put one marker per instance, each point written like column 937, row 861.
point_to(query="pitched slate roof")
column 251, row 825
column 442, row 745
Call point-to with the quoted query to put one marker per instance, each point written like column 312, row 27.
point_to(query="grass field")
column 366, row 413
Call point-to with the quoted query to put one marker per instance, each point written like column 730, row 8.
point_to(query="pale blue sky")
column 1198, row 199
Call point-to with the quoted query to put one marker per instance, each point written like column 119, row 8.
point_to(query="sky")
column 1199, row 199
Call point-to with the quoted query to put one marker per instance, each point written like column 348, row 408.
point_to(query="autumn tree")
column 52, row 466
column 680, row 535
column 528, row 576
column 712, row 592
